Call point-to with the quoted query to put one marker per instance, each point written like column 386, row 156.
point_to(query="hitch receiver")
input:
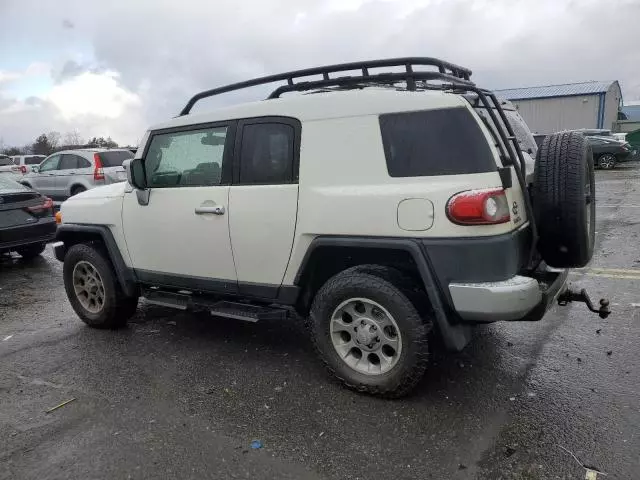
column 582, row 296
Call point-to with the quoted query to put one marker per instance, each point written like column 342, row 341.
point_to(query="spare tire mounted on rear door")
column 564, row 200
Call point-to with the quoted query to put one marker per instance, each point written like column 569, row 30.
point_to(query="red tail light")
column 98, row 172
column 43, row 209
column 23, row 169
column 479, row 207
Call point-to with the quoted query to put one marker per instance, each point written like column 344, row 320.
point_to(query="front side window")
column 182, row 159
column 267, row 153
column 50, row 164
column 435, row 142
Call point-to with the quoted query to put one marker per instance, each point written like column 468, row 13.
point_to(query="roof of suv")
column 325, row 105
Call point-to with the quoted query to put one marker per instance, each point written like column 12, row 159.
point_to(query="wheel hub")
column 367, row 334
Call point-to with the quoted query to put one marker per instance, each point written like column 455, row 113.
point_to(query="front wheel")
column 368, row 332
column 93, row 289
column 607, row 161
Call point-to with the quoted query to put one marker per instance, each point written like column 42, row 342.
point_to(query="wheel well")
column 76, row 186
column 73, row 238
column 326, row 261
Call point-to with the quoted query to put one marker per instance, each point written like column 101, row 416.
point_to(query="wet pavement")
column 179, row 395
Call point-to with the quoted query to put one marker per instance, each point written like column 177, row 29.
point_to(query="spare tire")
column 564, row 200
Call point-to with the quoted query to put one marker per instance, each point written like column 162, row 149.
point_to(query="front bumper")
column 41, row 232
column 518, row 298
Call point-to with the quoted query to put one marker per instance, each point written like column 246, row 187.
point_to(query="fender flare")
column 455, row 336
column 68, row 233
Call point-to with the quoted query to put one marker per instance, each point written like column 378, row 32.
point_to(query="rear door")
column 263, row 202
column 67, row 171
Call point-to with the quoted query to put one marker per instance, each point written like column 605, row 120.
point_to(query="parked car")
column 27, row 219
column 608, row 152
column 378, row 207
column 7, row 167
column 27, row 162
column 70, row 172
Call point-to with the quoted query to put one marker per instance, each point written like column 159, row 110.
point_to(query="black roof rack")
column 447, row 72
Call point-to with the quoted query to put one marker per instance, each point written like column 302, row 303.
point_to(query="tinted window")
column 192, row 158
column 50, row 164
column 115, row 159
column 83, row 163
column 5, row 161
column 266, row 155
column 68, row 162
column 435, row 142
column 33, row 160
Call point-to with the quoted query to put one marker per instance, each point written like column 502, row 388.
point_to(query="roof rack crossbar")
column 447, row 71
column 372, row 80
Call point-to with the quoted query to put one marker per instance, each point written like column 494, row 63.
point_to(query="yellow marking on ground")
column 634, row 271
column 608, row 275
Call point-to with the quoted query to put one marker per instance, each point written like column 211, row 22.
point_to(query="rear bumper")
column 41, row 232
column 517, row 298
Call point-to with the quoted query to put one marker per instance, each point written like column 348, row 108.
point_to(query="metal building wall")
column 611, row 105
column 548, row 115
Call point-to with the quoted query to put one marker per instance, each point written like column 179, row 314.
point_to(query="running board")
column 220, row 308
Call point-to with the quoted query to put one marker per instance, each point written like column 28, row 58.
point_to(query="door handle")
column 214, row 209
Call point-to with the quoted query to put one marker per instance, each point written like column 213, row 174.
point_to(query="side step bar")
column 220, row 308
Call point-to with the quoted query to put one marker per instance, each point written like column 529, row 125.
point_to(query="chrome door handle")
column 216, row 210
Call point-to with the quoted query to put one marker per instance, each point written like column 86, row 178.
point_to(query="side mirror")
column 135, row 173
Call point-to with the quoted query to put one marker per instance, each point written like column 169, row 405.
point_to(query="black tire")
column 77, row 189
column 564, row 200
column 117, row 307
column 402, row 299
column 607, row 161
column 29, row 252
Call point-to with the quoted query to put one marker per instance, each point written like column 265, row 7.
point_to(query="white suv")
column 378, row 206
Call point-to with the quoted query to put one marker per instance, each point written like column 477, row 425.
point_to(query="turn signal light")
column 58, row 217
column 479, row 207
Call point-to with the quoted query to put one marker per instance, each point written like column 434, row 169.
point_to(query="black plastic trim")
column 505, row 177
column 187, row 282
column 126, row 276
column 454, row 336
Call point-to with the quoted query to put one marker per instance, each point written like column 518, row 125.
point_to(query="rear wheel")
column 78, row 189
column 564, row 200
column 93, row 289
column 606, row 161
column 368, row 332
column 29, row 252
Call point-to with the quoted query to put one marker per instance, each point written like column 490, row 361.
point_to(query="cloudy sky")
column 113, row 68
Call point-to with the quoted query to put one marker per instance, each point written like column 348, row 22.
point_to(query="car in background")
column 7, row 167
column 70, row 172
column 27, row 162
column 608, row 152
column 27, row 220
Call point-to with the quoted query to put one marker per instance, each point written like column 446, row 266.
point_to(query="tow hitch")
column 582, row 296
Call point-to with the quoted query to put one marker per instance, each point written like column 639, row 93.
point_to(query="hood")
column 108, row 191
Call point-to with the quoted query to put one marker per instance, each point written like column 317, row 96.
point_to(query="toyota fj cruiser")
column 390, row 197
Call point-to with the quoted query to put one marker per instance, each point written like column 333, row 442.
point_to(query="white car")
column 379, row 206
column 27, row 162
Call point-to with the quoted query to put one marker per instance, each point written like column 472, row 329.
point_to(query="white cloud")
column 92, row 94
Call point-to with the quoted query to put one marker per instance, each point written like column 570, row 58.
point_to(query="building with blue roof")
column 552, row 108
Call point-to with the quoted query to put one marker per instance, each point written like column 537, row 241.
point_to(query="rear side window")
column 434, row 142
column 5, row 161
column 114, row 159
column 33, row 160
column 267, row 153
